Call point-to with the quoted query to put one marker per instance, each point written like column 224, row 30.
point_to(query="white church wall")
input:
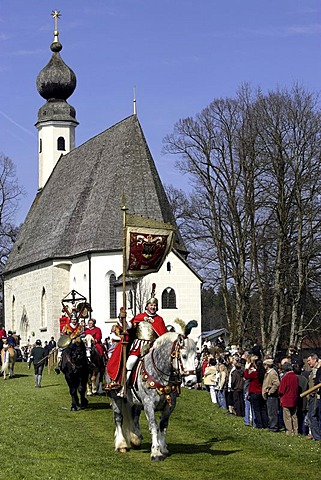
column 98, row 267
column 187, row 287
column 103, row 266
column 27, row 294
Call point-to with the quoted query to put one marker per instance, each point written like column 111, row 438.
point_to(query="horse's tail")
column 129, row 429
column 5, row 367
column 127, row 419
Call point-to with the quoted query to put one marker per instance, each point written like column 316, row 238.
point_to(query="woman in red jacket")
column 254, row 371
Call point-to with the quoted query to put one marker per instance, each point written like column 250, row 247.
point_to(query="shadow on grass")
column 193, row 448
column 50, row 385
column 98, row 406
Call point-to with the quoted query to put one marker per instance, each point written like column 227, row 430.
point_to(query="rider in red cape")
column 147, row 327
column 95, row 332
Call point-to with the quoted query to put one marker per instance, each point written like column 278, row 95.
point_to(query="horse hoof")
column 122, row 450
column 157, row 458
column 73, row 409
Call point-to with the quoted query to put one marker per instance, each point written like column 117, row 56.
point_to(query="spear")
column 311, row 390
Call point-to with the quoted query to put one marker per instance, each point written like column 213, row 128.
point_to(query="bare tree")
column 252, row 220
column 10, row 194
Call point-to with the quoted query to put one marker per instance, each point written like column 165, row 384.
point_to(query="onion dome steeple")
column 56, row 82
column 56, row 118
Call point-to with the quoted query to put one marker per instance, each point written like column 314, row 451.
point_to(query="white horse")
column 8, row 360
column 156, row 387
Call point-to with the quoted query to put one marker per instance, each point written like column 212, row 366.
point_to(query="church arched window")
column 169, row 298
column 40, row 145
column 112, row 296
column 130, row 300
column 13, row 313
column 169, row 266
column 61, row 143
column 43, row 320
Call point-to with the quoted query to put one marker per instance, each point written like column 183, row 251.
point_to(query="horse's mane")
column 170, row 337
column 165, row 338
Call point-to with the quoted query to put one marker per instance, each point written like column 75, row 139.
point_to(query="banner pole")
column 123, row 310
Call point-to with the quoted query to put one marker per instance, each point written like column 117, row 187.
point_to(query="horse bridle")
column 172, row 385
column 176, row 354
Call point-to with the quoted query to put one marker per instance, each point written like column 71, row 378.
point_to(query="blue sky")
column 180, row 55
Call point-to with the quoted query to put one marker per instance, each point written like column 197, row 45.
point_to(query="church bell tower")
column 56, row 118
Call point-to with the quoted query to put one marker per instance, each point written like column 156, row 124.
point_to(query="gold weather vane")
column 55, row 15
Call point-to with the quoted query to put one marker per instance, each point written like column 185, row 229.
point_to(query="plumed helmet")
column 153, row 300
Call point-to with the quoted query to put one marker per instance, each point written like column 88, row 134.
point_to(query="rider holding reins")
column 147, row 327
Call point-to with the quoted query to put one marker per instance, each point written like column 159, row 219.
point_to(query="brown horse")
column 96, row 368
column 8, row 360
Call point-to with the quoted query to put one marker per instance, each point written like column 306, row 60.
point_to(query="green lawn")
column 41, row 439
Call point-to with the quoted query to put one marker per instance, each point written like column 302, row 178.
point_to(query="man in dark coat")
column 52, row 343
column 37, row 355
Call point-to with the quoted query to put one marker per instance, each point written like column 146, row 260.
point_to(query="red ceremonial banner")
column 147, row 246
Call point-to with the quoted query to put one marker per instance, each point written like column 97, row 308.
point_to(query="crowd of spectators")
column 266, row 393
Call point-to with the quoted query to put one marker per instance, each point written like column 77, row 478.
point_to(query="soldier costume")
column 147, row 327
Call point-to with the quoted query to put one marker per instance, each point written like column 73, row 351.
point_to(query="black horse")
column 74, row 366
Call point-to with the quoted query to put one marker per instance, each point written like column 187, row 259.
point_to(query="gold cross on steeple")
column 55, row 15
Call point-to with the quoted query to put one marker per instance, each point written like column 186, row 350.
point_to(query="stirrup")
column 112, row 386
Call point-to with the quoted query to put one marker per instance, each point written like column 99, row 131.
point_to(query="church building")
column 72, row 236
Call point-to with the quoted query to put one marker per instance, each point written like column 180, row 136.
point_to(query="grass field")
column 41, row 439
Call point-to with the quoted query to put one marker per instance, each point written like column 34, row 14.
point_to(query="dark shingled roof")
column 79, row 209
